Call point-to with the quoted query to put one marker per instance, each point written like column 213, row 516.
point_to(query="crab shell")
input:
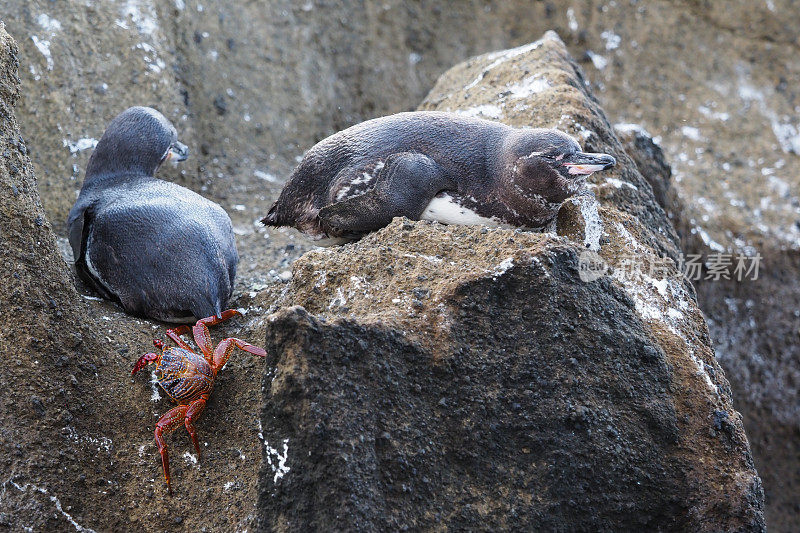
column 184, row 375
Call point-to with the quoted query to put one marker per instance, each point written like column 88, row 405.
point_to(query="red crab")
column 188, row 377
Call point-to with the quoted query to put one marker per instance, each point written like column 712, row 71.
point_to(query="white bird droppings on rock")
column 277, row 461
column 265, row 176
column 593, row 224
column 572, row 21
column 80, row 145
column 598, row 61
column 530, row 85
column 43, row 46
column 692, row 133
column 485, row 110
column 612, row 39
column 49, row 24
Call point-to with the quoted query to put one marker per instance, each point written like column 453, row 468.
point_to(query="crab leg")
column 169, row 422
column 192, row 414
column 175, row 334
column 203, row 337
column 225, row 349
column 225, row 315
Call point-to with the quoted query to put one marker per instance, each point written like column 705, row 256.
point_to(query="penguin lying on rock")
column 429, row 165
column 159, row 249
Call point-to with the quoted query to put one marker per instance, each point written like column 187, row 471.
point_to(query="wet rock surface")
column 470, row 377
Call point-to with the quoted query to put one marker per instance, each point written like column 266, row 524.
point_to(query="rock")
column 727, row 122
column 76, row 434
column 34, row 336
column 712, row 82
column 518, row 396
column 649, row 159
column 755, row 325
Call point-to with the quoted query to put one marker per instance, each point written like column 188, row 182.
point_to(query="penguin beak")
column 584, row 163
column 177, row 152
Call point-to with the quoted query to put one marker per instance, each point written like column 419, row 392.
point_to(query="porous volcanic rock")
column 433, row 376
column 650, row 162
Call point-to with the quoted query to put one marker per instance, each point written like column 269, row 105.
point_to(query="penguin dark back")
column 157, row 248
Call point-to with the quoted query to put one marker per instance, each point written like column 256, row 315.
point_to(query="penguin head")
column 552, row 165
column 137, row 141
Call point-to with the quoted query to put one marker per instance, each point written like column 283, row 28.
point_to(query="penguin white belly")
column 445, row 209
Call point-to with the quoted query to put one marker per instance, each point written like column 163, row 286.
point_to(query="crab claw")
column 143, row 361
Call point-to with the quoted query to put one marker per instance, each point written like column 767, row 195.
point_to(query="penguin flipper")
column 404, row 187
column 76, row 223
column 80, row 227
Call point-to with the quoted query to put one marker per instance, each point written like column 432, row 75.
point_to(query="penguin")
column 430, row 165
column 159, row 249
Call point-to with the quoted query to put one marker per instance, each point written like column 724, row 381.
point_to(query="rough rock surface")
column 650, row 162
column 469, row 377
column 76, row 442
column 755, row 324
column 712, row 82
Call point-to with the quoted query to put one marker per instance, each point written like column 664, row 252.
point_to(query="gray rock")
column 515, row 395
column 76, row 435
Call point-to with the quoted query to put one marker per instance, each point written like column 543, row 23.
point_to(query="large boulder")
column 712, row 82
column 487, row 379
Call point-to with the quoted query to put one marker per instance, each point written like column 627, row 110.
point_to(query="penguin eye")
column 552, row 156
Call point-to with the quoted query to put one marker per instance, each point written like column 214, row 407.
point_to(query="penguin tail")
column 272, row 218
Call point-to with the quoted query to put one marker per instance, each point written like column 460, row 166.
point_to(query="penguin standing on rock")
column 159, row 249
column 429, row 165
